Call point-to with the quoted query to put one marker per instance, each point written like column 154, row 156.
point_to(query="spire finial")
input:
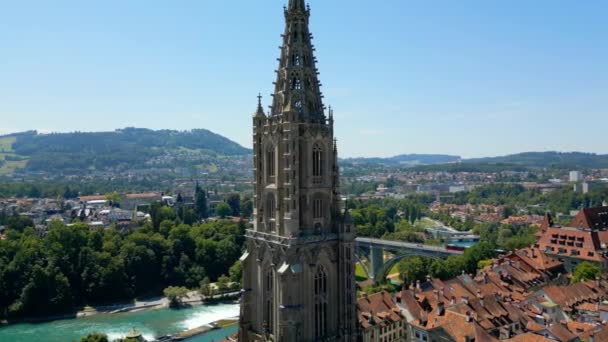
column 260, row 110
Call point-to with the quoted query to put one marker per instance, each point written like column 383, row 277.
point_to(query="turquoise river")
column 151, row 323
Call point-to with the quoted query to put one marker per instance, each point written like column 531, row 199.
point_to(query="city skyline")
column 473, row 79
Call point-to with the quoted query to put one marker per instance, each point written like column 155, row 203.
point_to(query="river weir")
column 151, row 323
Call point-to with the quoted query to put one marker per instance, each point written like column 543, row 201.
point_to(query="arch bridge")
column 373, row 250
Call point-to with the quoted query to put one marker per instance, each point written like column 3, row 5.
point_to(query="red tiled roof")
column 579, row 327
column 561, row 333
column 570, row 295
column 601, row 335
column 539, row 260
column 143, row 195
column 591, row 218
column 377, row 309
column 533, row 326
column 92, row 198
column 529, row 337
column 573, row 242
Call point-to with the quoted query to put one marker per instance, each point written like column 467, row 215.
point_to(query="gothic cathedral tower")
column 298, row 270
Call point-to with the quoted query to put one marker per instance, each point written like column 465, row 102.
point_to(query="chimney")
column 441, row 291
column 440, row 308
column 469, row 318
column 486, row 278
column 436, row 294
column 464, row 299
column 417, row 284
column 428, row 278
column 480, row 297
column 453, row 300
column 533, row 253
column 370, row 320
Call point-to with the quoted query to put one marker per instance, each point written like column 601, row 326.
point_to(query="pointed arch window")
column 318, row 160
column 270, row 163
column 317, row 208
column 270, row 212
column 298, row 105
column 269, row 301
column 296, row 83
column 320, row 302
column 296, row 60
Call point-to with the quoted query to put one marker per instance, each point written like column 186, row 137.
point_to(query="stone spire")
column 260, row 111
column 296, row 5
column 297, row 88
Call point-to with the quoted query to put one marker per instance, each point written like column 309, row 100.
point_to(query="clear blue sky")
column 473, row 78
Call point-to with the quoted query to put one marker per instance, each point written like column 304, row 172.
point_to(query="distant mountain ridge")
column 122, row 149
column 145, row 149
column 408, row 159
column 514, row 162
column 548, row 159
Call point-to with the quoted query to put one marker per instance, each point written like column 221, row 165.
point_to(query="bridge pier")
column 376, row 260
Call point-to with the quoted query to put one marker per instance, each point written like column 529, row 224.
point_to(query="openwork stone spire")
column 297, row 88
column 296, row 4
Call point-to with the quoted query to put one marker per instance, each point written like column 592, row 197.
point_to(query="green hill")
column 550, row 159
column 123, row 149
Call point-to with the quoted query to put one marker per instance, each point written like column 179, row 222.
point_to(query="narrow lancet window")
column 269, row 301
column 320, row 303
column 318, row 160
column 270, row 163
column 270, row 212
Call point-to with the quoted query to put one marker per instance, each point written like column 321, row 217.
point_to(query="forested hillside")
column 123, row 149
column 550, row 159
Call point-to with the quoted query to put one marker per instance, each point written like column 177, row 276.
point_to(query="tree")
column 114, row 199
column 412, row 269
column 585, row 271
column 222, row 283
column 206, row 289
column 483, row 263
column 75, row 266
column 247, row 208
column 236, row 272
column 47, row 293
column 234, row 201
column 69, row 193
column 18, row 222
column 223, row 210
column 200, row 202
column 95, row 337
column 175, row 294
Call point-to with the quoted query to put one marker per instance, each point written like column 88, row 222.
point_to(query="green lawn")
column 425, row 222
column 360, row 274
column 9, row 167
column 395, row 269
column 6, row 144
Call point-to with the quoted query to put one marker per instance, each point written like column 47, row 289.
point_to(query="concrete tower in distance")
column 298, row 269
